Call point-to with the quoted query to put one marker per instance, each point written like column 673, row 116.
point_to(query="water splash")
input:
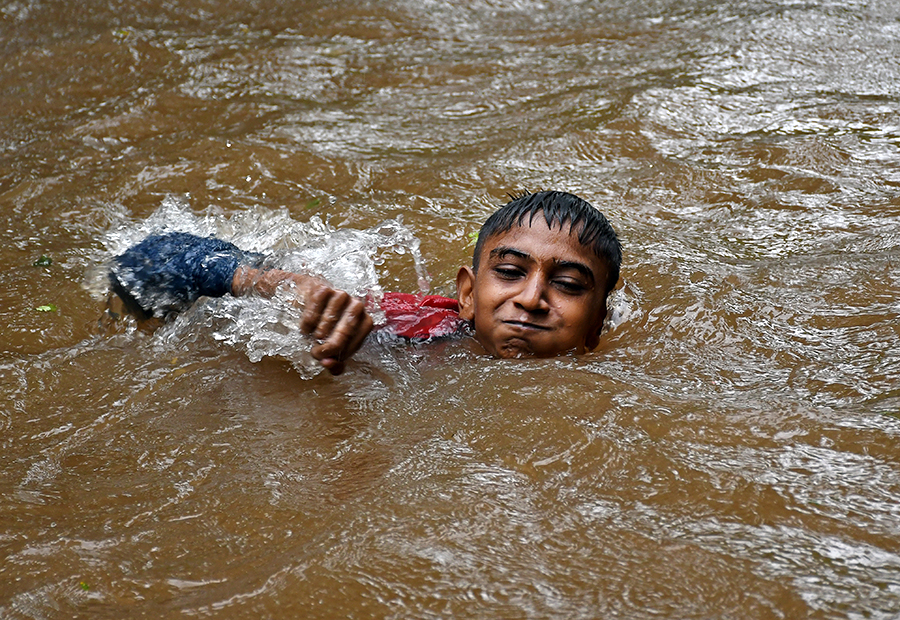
column 622, row 306
column 348, row 258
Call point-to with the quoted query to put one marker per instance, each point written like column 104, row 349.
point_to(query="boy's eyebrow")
column 504, row 251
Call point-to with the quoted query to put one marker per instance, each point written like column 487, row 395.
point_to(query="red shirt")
column 420, row 316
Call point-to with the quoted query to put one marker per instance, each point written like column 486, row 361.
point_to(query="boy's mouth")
column 526, row 325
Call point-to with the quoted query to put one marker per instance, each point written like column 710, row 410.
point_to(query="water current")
column 731, row 450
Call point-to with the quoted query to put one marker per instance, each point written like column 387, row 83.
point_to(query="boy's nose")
column 532, row 297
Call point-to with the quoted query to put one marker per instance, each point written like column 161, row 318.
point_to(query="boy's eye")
column 507, row 273
column 570, row 286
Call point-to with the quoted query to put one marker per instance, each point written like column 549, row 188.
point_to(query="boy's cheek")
column 488, row 346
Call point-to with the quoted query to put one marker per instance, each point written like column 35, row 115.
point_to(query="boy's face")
column 538, row 292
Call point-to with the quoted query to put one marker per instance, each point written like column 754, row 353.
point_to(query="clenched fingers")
column 346, row 336
column 315, row 305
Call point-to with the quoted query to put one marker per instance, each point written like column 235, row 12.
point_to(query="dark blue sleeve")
column 167, row 273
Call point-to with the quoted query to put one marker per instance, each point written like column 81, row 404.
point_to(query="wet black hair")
column 559, row 209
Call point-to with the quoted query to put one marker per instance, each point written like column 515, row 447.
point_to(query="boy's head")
column 543, row 267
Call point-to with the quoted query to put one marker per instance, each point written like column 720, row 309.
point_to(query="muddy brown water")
column 732, row 450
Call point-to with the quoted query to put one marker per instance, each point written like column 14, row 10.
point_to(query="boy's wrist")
column 248, row 280
column 242, row 280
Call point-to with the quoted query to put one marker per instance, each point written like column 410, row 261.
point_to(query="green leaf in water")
column 84, row 586
column 47, row 308
column 43, row 261
column 312, row 204
column 473, row 238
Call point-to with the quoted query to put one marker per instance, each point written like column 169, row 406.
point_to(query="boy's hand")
column 338, row 320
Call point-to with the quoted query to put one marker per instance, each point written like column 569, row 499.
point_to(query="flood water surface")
column 731, row 450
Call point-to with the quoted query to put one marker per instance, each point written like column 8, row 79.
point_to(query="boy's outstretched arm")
column 167, row 273
column 330, row 315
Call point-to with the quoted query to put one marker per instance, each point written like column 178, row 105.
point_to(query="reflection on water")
column 730, row 451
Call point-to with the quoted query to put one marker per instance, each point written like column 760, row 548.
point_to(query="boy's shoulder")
column 420, row 317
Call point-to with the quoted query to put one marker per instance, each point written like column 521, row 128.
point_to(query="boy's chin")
column 516, row 348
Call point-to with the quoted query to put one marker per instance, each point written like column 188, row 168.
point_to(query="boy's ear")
column 465, row 293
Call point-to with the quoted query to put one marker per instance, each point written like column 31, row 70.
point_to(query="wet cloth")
column 167, row 273
column 420, row 317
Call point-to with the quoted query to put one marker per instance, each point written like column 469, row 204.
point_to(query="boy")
column 542, row 269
